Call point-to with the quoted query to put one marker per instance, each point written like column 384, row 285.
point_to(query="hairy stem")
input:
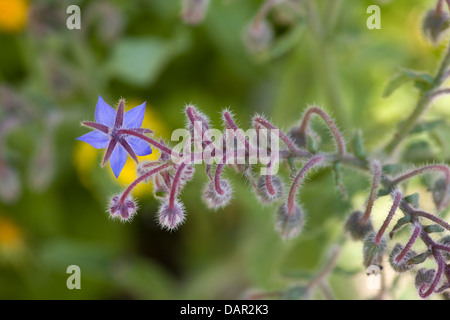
column 397, row 199
column 303, row 128
column 175, row 182
column 376, row 169
column 143, row 137
column 142, row 178
column 416, row 232
column 299, row 179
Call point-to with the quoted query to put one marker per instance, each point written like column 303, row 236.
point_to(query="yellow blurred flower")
column 11, row 239
column 13, row 15
column 86, row 158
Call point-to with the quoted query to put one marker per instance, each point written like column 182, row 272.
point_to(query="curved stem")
column 142, row 178
column 143, row 137
column 433, row 218
column 441, row 266
column 395, row 205
column 423, row 170
column 412, row 240
column 299, row 178
column 287, row 141
column 303, row 128
column 376, row 169
column 175, row 182
column 230, row 124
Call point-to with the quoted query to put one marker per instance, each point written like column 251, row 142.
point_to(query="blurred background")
column 54, row 194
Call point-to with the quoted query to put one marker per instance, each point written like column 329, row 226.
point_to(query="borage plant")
column 121, row 134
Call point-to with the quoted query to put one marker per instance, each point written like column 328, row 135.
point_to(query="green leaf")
column 434, row 228
column 311, row 144
column 140, row 60
column 427, row 126
column 413, row 199
column 421, row 81
column 420, row 258
column 400, row 224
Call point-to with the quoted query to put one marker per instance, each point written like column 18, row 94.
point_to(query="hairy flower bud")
column 289, row 224
column 258, row 36
column 402, row 265
column 435, row 23
column 193, row 11
column 124, row 210
column 170, row 217
column 264, row 194
column 357, row 228
column 446, row 242
column 424, row 277
column 372, row 250
column 214, row 199
column 441, row 193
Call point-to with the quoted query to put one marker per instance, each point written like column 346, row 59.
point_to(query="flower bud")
column 424, row 277
column 258, row 36
column 373, row 251
column 264, row 194
column 193, row 11
column 289, row 224
column 214, row 199
column 446, row 242
column 171, row 217
column 441, row 194
column 124, row 210
column 356, row 227
column 435, row 23
column 403, row 265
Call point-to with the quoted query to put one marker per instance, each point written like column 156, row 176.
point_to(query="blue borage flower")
column 107, row 134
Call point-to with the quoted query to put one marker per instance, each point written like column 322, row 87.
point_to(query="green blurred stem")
column 326, row 63
column 329, row 266
column 422, row 105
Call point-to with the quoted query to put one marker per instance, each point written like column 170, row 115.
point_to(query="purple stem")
column 317, row 159
column 330, row 123
column 149, row 140
column 287, row 141
column 395, row 205
column 175, row 182
column 412, row 240
column 232, row 125
column 140, row 179
column 376, row 168
column 432, row 218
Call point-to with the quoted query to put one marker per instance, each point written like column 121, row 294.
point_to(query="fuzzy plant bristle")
column 289, row 223
column 171, row 216
column 121, row 208
column 272, row 161
column 215, row 199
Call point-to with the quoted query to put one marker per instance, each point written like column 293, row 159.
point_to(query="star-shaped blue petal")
column 107, row 134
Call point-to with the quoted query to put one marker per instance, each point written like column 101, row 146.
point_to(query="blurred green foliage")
column 50, row 78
